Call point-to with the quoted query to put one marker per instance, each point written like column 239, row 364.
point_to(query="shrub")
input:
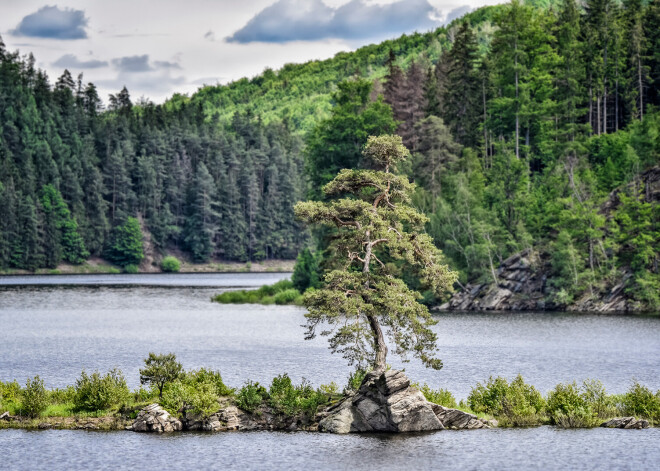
column 641, row 402
column 287, row 297
column 159, row 370
column 10, row 393
column 170, row 264
column 62, row 396
column 131, row 269
column 441, row 396
column 517, row 404
column 292, row 400
column 355, row 379
column 197, row 391
column 250, row 396
column 95, row 392
column 281, row 292
column 210, row 377
column 570, row 406
column 35, row 397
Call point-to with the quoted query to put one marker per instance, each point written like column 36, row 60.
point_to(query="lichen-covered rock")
column 386, row 402
column 626, row 422
column 154, row 418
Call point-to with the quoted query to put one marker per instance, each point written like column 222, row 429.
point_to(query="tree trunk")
column 379, row 339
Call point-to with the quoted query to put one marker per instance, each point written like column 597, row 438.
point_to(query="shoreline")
column 97, row 266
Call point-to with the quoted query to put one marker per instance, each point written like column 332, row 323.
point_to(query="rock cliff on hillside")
column 524, row 279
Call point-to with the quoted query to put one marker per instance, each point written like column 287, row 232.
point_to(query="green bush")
column 250, row 396
column 197, row 391
column 440, row 396
column 517, row 404
column 34, row 397
column 281, row 292
column 641, row 402
column 62, row 396
column 170, row 264
column 95, row 392
column 287, row 297
column 291, row 400
column 570, row 406
column 210, row 377
column 355, row 379
column 10, row 394
column 131, row 269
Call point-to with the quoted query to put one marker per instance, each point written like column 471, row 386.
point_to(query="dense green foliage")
column 125, row 244
column 202, row 392
column 517, row 402
column 76, row 181
column 95, row 392
column 281, row 292
column 196, row 391
column 439, row 396
column 170, row 264
column 35, row 398
column 306, row 271
column 520, row 136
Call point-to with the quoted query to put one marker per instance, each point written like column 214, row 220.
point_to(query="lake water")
column 116, row 320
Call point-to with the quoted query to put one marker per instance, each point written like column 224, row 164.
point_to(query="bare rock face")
column 626, row 422
column 386, row 402
column 154, row 418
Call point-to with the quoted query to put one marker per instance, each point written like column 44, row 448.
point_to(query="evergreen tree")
column 202, row 217
column 363, row 300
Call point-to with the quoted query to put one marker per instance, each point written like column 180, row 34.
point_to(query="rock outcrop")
column 521, row 285
column 386, row 402
column 522, row 282
column 626, row 422
column 154, row 418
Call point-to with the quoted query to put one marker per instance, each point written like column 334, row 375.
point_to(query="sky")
column 160, row 47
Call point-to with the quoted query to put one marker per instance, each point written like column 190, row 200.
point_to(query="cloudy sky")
column 158, row 47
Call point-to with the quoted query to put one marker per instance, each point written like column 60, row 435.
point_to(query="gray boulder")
column 386, row 402
column 155, row 419
column 626, row 422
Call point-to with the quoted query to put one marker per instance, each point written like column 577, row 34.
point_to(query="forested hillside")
column 522, row 119
column 75, row 181
column 520, row 147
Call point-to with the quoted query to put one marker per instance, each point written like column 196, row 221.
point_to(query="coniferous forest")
column 533, row 125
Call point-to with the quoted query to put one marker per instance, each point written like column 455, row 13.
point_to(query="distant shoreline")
column 98, row 266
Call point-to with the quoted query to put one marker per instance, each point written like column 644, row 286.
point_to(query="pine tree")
column 365, row 295
column 462, row 89
column 202, row 216
column 436, row 151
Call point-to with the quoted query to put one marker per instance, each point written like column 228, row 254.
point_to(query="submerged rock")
column 626, row 422
column 386, row 402
column 154, row 418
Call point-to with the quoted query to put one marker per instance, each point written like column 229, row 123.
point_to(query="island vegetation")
column 103, row 401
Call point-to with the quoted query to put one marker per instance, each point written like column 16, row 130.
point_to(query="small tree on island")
column 377, row 227
column 160, row 370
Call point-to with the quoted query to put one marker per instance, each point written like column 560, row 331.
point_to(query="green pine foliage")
column 125, row 244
